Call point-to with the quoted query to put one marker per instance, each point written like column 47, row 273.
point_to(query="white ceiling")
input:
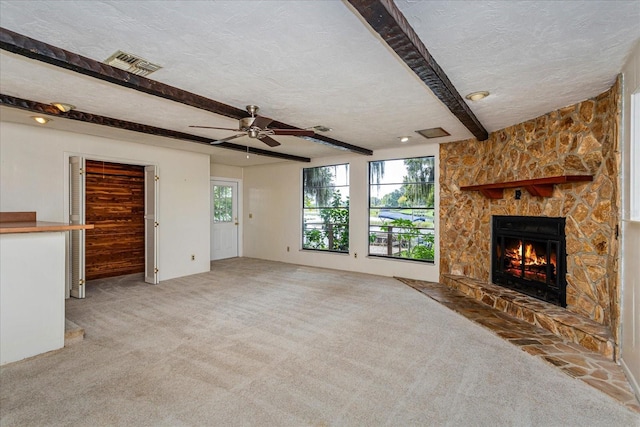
column 310, row 63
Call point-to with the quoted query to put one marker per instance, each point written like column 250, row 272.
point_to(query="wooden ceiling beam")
column 386, row 19
column 39, row 108
column 40, row 51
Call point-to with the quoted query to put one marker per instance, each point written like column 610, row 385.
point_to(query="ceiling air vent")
column 433, row 133
column 131, row 63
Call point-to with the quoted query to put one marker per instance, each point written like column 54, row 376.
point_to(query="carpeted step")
column 72, row 333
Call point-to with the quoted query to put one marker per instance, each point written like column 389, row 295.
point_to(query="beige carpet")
column 270, row 344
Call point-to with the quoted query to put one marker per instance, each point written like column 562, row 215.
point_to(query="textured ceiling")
column 533, row 56
column 317, row 63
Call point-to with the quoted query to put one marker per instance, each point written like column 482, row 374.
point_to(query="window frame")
column 410, row 232
column 222, row 204
column 634, row 159
column 327, row 237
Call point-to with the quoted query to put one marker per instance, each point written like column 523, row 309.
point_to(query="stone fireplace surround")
column 580, row 139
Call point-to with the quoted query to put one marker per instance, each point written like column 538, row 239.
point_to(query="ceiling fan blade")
column 293, row 132
column 269, row 141
column 220, row 141
column 261, row 122
column 211, row 127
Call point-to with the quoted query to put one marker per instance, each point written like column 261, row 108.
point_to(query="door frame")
column 67, row 195
column 240, row 199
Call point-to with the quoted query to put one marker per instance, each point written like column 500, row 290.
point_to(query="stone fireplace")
column 578, row 140
column 528, row 255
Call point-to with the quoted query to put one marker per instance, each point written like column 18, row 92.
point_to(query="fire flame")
column 530, row 256
column 533, row 264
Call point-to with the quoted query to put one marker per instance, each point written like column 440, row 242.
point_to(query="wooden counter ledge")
column 25, row 222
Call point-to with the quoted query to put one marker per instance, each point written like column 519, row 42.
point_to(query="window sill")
column 422, row 261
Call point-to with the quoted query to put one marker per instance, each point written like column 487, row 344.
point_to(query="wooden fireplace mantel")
column 541, row 187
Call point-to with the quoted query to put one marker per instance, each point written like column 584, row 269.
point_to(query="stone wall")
column 580, row 139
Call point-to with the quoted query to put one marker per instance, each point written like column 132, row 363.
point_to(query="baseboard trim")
column 633, row 381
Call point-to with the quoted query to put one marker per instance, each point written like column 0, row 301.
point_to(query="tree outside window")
column 222, row 203
column 325, row 222
column 401, row 208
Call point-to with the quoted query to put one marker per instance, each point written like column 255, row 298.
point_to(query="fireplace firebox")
column 529, row 256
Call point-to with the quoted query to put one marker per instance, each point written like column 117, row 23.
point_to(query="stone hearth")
column 560, row 322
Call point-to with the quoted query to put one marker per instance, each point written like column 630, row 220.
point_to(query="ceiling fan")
column 256, row 127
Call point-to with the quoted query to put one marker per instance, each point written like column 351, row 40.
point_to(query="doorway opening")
column 114, row 204
column 121, row 200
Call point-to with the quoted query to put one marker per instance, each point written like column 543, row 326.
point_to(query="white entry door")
column 224, row 219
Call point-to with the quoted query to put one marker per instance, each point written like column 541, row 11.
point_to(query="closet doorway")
column 121, row 201
column 114, row 204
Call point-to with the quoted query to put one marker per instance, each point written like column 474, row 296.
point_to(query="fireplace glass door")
column 529, row 257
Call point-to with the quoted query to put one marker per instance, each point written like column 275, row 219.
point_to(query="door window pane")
column 222, row 203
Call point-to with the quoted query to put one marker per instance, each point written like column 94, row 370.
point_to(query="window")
column 222, row 203
column 401, row 208
column 325, row 208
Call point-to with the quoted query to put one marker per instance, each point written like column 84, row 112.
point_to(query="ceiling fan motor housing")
column 246, row 123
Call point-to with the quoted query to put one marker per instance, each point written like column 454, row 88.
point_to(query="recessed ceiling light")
column 65, row 108
column 477, row 96
column 433, row 133
column 41, row 120
column 404, row 139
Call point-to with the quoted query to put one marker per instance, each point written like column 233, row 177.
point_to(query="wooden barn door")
column 114, row 203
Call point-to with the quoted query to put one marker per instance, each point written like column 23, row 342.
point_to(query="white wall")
column 224, row 171
column 273, row 197
column 31, row 294
column 630, row 267
column 34, row 177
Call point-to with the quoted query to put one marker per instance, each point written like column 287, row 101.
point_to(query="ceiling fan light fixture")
column 257, row 127
column 41, row 120
column 477, row 96
column 65, row 108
